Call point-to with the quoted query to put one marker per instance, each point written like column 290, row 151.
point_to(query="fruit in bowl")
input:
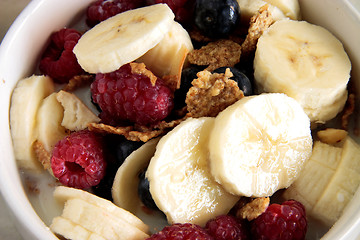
column 259, row 134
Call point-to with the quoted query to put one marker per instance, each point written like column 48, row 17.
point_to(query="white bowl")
column 20, row 51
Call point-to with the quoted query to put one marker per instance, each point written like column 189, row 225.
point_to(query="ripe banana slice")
column 290, row 8
column 25, row 102
column 123, row 38
column 126, row 181
column 307, row 63
column 168, row 56
column 49, row 118
column 180, row 180
column 77, row 115
column 69, row 230
column 63, row 194
column 249, row 8
column 259, row 145
column 98, row 220
column 328, row 181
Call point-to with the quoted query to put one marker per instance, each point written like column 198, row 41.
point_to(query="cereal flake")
column 136, row 133
column 77, row 82
column 258, row 24
column 140, row 68
column 253, row 209
column 216, row 54
column 42, row 155
column 212, row 93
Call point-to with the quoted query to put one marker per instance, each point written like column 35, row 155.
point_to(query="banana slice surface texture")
column 64, row 194
column 97, row 220
column 169, row 55
column 259, row 144
column 25, row 102
column 307, row 63
column 180, row 180
column 123, row 38
column 49, row 118
column 251, row 7
column 126, row 181
column 328, row 181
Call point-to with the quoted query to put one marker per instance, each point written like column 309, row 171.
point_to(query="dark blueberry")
column 95, row 104
column 187, row 76
column 118, row 149
column 144, row 192
column 239, row 77
column 216, row 18
column 247, row 68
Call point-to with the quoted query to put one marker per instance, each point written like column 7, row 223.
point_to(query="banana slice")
column 259, row 145
column 317, row 173
column 25, row 102
column 126, row 181
column 123, row 38
column 69, row 230
column 63, row 194
column 290, row 8
column 328, row 181
column 180, row 180
column 100, row 221
column 168, row 57
column 49, row 118
column 307, row 63
column 249, row 8
column 77, row 115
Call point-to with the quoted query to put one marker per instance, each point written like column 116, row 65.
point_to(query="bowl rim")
column 27, row 221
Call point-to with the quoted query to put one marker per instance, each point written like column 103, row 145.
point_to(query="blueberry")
column 118, row 149
column 242, row 80
column 144, row 192
column 216, row 18
column 187, row 76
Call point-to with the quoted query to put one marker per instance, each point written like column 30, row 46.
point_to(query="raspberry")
column 58, row 61
column 103, row 9
column 179, row 231
column 126, row 96
column 227, row 227
column 280, row 222
column 78, row 160
column 183, row 9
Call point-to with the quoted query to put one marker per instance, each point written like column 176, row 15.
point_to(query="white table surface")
column 9, row 9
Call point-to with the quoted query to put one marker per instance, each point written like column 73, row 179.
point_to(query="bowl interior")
column 20, row 51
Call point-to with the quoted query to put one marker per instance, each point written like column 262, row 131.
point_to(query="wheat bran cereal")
column 221, row 53
column 212, row 93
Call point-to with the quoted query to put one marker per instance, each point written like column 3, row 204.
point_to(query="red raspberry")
column 280, row 222
column 58, row 61
column 101, row 10
column 179, row 231
column 183, row 9
column 78, row 160
column 126, row 96
column 227, row 227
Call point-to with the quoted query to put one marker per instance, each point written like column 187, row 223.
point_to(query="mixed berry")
column 216, row 19
column 124, row 96
column 228, row 227
column 183, row 9
column 281, row 222
column 101, row 10
column 84, row 159
column 278, row 222
column 58, row 61
column 79, row 160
